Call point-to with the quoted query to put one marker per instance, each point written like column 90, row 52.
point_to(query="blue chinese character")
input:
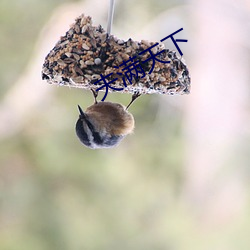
column 106, row 84
column 128, row 70
column 153, row 57
column 175, row 40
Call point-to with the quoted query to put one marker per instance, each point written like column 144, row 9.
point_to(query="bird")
column 104, row 124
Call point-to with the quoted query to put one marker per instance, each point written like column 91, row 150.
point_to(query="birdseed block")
column 89, row 58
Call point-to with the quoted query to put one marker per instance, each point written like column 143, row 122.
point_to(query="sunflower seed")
column 69, row 60
column 85, row 46
column 88, row 62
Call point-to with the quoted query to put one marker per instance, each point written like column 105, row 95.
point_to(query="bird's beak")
column 82, row 115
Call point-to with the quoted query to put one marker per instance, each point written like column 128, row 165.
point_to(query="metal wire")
column 110, row 15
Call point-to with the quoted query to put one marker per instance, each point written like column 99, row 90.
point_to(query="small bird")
column 104, row 124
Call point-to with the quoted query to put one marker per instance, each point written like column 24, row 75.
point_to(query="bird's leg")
column 134, row 97
column 95, row 94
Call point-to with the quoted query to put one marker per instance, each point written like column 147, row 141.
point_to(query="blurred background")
column 180, row 182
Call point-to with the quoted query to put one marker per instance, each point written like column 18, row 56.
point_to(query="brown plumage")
column 110, row 117
column 104, row 124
